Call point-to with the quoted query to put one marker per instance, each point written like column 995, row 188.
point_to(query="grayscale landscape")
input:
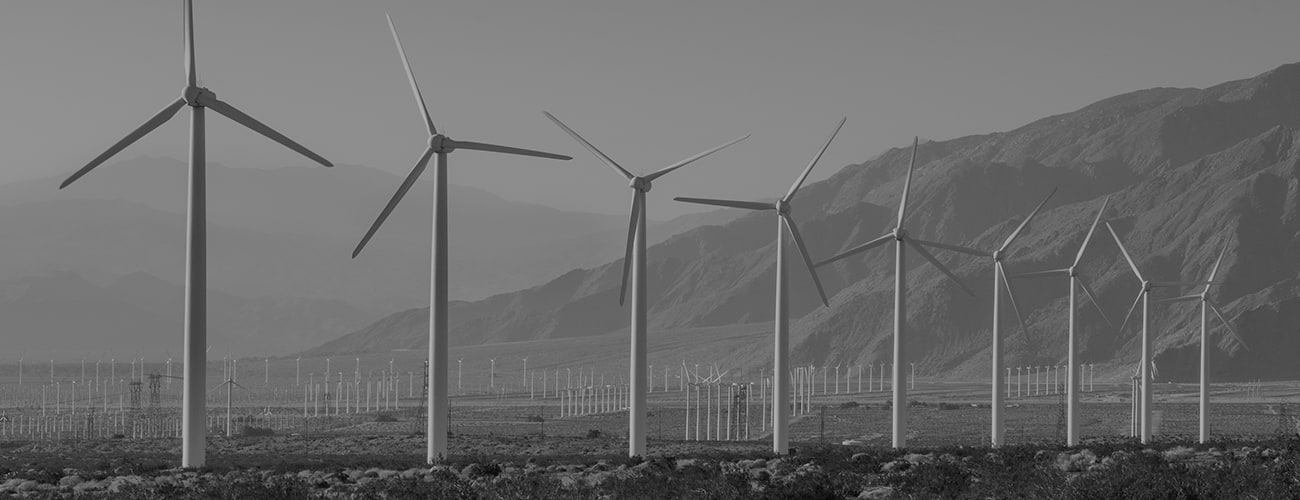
column 237, row 314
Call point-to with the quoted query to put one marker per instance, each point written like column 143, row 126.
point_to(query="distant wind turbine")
column 1206, row 304
column 439, row 147
column 230, row 386
column 901, row 240
column 198, row 99
column 781, row 350
column 1072, row 377
column 1001, row 283
column 1143, row 297
column 634, row 260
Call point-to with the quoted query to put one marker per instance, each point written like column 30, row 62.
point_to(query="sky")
column 648, row 82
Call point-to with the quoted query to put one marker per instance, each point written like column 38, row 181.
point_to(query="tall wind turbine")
column 1000, row 282
column 901, row 240
column 198, row 99
column 439, row 147
column 1204, row 298
column 1072, row 377
column 634, row 260
column 1143, row 297
column 781, row 349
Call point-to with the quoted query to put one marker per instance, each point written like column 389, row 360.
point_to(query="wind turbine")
column 901, row 240
column 1143, row 297
column 198, row 99
column 1204, row 298
column 439, row 147
column 781, row 349
column 1072, row 377
column 230, row 386
column 634, row 261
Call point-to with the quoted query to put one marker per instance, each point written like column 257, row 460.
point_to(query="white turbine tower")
column 439, row 147
column 901, row 240
column 230, row 386
column 1207, row 305
column 781, row 349
column 198, row 99
column 1000, row 283
column 1143, row 297
column 634, row 261
column 1072, row 377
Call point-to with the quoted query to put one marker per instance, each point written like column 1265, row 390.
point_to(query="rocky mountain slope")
column 1186, row 170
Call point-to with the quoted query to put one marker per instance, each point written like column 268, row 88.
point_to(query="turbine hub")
column 1147, row 286
column 998, row 255
column 900, row 233
column 192, row 95
column 640, row 184
column 783, row 207
column 1074, row 273
column 441, row 144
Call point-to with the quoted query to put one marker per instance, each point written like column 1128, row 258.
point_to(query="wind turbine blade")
column 934, row 260
column 1231, row 330
column 237, row 384
column 1092, row 297
column 1040, row 274
column 954, row 248
column 1011, row 294
column 664, row 171
column 631, row 237
column 797, row 183
column 415, row 88
column 149, row 125
column 1127, row 257
column 858, row 249
column 259, row 127
column 749, row 205
column 1183, row 298
column 1025, row 222
column 479, row 146
column 807, row 260
column 1128, row 315
column 609, row 161
column 397, row 197
column 191, row 75
column 1079, row 256
column 1215, row 270
column 907, row 184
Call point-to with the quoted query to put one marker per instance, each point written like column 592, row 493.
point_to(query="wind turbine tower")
column 1144, row 298
column 439, row 148
column 634, row 261
column 781, row 349
column 1206, row 306
column 902, row 240
column 1073, row 382
column 198, row 99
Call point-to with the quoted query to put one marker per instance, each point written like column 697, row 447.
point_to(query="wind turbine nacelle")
column 194, row 96
column 441, row 144
column 640, row 184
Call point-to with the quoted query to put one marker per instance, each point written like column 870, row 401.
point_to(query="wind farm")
column 608, row 352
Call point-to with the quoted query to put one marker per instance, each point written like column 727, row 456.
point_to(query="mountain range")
column 1186, row 170
column 280, row 240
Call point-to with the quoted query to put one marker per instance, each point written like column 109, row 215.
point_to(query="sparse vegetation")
column 1101, row 469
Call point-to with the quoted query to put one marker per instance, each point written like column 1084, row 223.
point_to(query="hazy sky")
column 649, row 82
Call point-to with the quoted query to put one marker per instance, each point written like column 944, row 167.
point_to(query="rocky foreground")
column 1264, row 469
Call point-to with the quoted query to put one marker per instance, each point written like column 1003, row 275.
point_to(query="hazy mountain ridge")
column 498, row 245
column 1184, row 169
column 64, row 314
